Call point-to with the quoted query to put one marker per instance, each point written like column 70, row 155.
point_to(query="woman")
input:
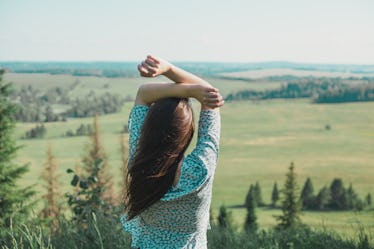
column 168, row 193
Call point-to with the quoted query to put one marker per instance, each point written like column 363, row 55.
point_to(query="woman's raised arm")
column 193, row 86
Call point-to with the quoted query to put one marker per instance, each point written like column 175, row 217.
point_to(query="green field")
column 258, row 142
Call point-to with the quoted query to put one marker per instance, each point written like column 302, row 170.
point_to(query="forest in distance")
column 56, row 102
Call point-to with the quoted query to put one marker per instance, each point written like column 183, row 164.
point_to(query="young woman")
column 168, row 193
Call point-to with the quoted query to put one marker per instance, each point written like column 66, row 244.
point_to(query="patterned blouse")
column 180, row 219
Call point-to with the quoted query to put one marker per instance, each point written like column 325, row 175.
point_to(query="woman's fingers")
column 144, row 71
column 151, row 62
column 213, row 99
column 151, row 57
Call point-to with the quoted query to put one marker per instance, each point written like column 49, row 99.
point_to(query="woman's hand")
column 208, row 96
column 152, row 67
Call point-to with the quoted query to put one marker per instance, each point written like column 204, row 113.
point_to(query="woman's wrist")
column 169, row 71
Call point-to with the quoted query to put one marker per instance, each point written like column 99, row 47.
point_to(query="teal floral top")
column 181, row 218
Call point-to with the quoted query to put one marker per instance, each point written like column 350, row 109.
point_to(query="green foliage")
column 368, row 200
column 15, row 203
column 323, row 198
column 291, row 205
column 327, row 90
column 88, row 199
column 258, row 194
column 101, row 231
column 224, row 218
column 249, row 195
column 38, row 131
column 307, row 198
column 34, row 105
column 91, row 104
column 254, row 192
column 301, row 238
column 82, row 130
column 334, row 198
column 250, row 223
column 105, row 232
column 338, row 197
column 274, row 195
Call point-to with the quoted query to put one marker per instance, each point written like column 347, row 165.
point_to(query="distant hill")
column 217, row 69
column 284, row 72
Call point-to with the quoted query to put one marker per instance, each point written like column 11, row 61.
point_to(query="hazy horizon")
column 239, row 31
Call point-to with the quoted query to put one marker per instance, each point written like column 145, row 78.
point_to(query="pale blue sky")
column 324, row 31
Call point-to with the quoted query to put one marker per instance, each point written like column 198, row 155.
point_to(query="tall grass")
column 106, row 232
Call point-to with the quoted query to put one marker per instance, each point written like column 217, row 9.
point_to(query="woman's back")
column 180, row 219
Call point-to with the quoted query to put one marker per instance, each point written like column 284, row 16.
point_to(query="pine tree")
column 94, row 191
column 250, row 224
column 258, row 194
column 291, row 205
column 307, row 198
column 225, row 218
column 323, row 199
column 338, row 195
column 15, row 202
column 368, row 200
column 248, row 196
column 274, row 195
column 52, row 209
column 96, row 152
column 351, row 197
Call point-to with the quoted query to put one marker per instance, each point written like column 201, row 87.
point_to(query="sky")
column 315, row 31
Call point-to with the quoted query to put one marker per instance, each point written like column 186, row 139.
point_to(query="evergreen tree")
column 338, row 195
column 225, row 218
column 258, row 194
column 251, row 219
column 368, row 200
column 52, row 209
column 291, row 205
column 15, row 204
column 274, row 195
column 323, row 199
column 96, row 153
column 307, row 197
column 94, row 186
column 351, row 198
column 249, row 194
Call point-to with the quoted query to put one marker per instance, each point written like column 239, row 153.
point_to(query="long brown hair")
column 165, row 135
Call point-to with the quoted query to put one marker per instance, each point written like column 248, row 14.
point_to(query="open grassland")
column 123, row 86
column 258, row 142
column 263, row 73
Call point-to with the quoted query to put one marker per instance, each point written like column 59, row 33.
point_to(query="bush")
column 106, row 232
column 37, row 132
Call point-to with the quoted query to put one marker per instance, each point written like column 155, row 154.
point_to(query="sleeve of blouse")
column 200, row 165
column 136, row 120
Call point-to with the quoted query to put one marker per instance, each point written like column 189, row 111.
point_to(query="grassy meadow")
column 258, row 142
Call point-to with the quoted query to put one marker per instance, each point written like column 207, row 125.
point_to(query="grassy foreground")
column 258, row 142
column 105, row 232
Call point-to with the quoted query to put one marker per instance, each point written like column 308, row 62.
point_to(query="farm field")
column 258, row 74
column 259, row 140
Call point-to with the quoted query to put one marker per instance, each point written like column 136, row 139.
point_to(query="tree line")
column 334, row 197
column 34, row 105
column 329, row 90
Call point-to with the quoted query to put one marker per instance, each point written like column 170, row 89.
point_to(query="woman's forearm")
column 179, row 75
column 153, row 66
column 150, row 93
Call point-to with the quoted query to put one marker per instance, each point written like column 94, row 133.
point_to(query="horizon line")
column 192, row 61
